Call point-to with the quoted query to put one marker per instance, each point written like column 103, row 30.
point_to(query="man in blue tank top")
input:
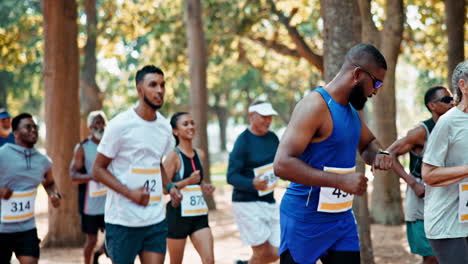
column 317, row 154
column 91, row 194
column 438, row 100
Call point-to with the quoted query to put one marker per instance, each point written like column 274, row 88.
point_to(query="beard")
column 150, row 104
column 357, row 97
column 98, row 133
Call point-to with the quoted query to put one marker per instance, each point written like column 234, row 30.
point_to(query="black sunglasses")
column 376, row 82
column 443, row 99
column 30, row 127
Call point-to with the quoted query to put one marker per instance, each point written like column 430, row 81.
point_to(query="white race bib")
column 150, row 178
column 193, row 203
column 334, row 200
column 19, row 208
column 267, row 172
column 463, row 203
column 96, row 189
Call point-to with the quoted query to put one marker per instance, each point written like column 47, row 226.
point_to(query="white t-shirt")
column 134, row 143
column 446, row 147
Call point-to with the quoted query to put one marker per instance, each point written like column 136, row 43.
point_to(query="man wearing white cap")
column 251, row 173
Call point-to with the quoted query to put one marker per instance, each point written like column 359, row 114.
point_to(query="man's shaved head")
column 365, row 55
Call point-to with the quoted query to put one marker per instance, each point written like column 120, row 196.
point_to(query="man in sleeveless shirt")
column 91, row 194
column 317, row 154
column 22, row 169
column 129, row 162
column 250, row 172
column 438, row 100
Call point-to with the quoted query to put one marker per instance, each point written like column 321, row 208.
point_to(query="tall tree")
column 342, row 28
column 455, row 16
column 198, row 92
column 386, row 206
column 61, row 70
column 90, row 95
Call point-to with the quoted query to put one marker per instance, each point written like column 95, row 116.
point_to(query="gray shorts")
column 124, row 243
column 450, row 250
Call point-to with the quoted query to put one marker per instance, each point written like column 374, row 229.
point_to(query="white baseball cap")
column 264, row 109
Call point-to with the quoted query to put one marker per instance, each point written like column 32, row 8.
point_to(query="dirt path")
column 390, row 245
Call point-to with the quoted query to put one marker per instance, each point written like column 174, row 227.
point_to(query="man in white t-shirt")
column 129, row 163
column 445, row 171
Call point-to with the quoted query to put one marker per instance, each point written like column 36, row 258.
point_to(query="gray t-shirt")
column 21, row 169
column 447, row 147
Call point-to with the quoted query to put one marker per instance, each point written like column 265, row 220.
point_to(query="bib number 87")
column 197, row 200
column 339, row 193
column 19, row 207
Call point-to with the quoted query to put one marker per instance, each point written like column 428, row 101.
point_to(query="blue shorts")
column 307, row 242
column 417, row 240
column 123, row 243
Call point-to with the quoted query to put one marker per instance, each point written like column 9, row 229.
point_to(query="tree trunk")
column 90, row 95
column 198, row 91
column 3, row 89
column 386, row 198
column 62, row 116
column 342, row 28
column 455, row 15
column 222, row 113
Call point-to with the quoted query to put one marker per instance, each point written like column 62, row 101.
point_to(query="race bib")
column 463, row 202
column 19, row 208
column 267, row 172
column 334, row 200
column 96, row 189
column 193, row 203
column 150, row 179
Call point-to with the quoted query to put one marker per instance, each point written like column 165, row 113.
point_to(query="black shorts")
column 90, row 224
column 180, row 227
column 24, row 243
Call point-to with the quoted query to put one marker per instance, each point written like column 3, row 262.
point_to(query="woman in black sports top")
column 184, row 167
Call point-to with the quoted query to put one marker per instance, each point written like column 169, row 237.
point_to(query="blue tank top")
column 338, row 150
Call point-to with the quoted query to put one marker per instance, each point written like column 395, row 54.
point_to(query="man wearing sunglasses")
column 438, row 101
column 318, row 155
column 22, row 169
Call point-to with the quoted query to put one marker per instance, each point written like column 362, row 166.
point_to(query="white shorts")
column 258, row 222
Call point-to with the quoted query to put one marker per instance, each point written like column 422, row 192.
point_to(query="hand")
column 176, row 197
column 259, row 183
column 383, row 161
column 208, row 188
column 55, row 199
column 418, row 189
column 194, row 177
column 354, row 183
column 139, row 196
column 5, row 193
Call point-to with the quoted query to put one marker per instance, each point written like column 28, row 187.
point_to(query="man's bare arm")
column 51, row 190
column 101, row 174
column 443, row 176
column 77, row 166
column 369, row 148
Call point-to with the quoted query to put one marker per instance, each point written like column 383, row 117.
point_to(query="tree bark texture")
column 386, row 204
column 61, row 70
column 198, row 92
column 455, row 16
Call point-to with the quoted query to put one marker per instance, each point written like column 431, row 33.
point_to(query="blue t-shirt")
column 9, row 139
column 250, row 152
column 338, row 150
